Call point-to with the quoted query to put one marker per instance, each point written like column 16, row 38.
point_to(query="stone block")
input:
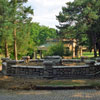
column 41, row 70
column 20, row 61
column 26, row 58
column 4, row 68
column 90, row 62
column 83, row 58
column 98, row 59
column 47, row 65
column 54, row 71
column 41, row 74
column 57, row 60
column 12, row 62
column 5, row 59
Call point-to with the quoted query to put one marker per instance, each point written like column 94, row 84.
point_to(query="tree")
column 40, row 34
column 19, row 16
column 5, row 26
column 82, row 16
column 15, row 23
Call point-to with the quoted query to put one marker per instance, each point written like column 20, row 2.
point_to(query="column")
column 35, row 55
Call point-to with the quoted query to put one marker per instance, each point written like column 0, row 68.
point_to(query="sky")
column 45, row 11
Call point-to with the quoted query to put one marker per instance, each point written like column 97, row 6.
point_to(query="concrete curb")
column 62, row 87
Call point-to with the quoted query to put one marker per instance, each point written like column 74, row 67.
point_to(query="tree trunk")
column 95, row 51
column 6, row 49
column 99, row 52
column 94, row 44
column 99, row 46
column 15, row 45
column 14, row 33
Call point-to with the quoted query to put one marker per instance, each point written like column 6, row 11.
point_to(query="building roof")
column 45, row 46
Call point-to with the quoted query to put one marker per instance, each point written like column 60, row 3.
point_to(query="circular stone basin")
column 63, row 64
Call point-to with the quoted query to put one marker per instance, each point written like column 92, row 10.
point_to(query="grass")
column 15, row 83
column 89, row 54
column 85, row 54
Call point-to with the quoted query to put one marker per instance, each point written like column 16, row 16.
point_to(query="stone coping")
column 90, row 62
column 83, row 66
column 5, row 59
column 98, row 59
column 97, row 63
column 36, row 60
column 63, row 60
column 15, row 61
column 71, row 60
column 48, row 63
column 20, row 66
column 26, row 57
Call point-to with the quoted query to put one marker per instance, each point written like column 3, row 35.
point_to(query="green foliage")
column 21, row 24
column 80, row 20
column 40, row 34
column 56, row 49
column 67, row 52
column 5, row 25
column 15, row 16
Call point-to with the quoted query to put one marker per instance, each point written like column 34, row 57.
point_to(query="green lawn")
column 89, row 54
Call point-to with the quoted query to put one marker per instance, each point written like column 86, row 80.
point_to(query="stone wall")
column 49, row 70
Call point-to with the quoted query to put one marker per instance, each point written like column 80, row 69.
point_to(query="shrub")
column 56, row 49
column 67, row 52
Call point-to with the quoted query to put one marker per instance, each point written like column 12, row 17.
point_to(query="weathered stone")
column 48, row 68
column 48, row 65
column 57, row 60
column 83, row 58
column 98, row 59
column 26, row 58
column 54, row 71
column 90, row 62
column 40, row 74
column 12, row 62
column 36, row 60
column 50, row 71
column 4, row 68
column 71, row 60
column 20, row 61
column 4, row 65
column 5, row 59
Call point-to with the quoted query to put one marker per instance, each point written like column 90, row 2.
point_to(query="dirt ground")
column 23, row 83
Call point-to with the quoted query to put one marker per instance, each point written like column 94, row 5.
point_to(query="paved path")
column 51, row 95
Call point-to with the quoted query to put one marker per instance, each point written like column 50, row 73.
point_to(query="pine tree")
column 5, row 26
column 19, row 16
column 81, row 17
